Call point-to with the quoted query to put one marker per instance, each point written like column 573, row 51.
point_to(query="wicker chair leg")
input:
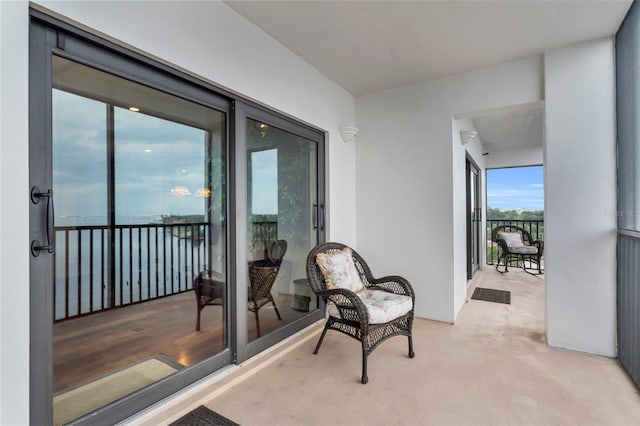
column 326, row 327
column 276, row 308
column 411, row 353
column 258, row 323
column 539, row 266
column 364, row 379
column 501, row 257
column 198, row 322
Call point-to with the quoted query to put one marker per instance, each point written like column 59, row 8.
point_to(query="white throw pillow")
column 513, row 239
column 339, row 270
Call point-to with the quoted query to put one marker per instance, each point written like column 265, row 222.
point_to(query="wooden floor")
column 91, row 347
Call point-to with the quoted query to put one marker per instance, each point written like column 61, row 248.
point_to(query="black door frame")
column 476, row 217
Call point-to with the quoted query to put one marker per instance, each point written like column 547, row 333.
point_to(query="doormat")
column 71, row 404
column 491, row 295
column 202, row 416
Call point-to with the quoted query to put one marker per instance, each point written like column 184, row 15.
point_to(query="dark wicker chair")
column 208, row 291
column 353, row 317
column 529, row 251
column 262, row 276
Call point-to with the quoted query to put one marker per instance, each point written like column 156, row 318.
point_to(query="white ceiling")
column 368, row 46
column 511, row 127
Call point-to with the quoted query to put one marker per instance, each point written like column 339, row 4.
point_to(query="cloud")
column 505, row 193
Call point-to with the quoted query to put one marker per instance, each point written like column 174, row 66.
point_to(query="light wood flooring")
column 93, row 346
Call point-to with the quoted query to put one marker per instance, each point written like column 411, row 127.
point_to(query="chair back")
column 315, row 275
column 526, row 236
column 277, row 251
column 263, row 273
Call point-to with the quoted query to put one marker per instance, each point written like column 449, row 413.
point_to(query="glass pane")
column 628, row 130
column 160, row 178
column 629, row 170
column 139, row 181
column 282, row 199
column 80, row 187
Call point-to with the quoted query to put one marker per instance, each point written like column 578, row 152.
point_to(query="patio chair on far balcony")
column 369, row 309
column 515, row 243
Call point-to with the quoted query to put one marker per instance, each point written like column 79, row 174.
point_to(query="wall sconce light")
column 348, row 133
column 467, row 136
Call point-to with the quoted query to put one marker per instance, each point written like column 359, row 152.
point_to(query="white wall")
column 14, row 217
column 514, row 157
column 405, row 177
column 207, row 38
column 580, row 197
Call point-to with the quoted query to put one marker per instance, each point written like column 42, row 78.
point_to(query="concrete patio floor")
column 492, row 367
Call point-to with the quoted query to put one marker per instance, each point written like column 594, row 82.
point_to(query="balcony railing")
column 534, row 227
column 149, row 261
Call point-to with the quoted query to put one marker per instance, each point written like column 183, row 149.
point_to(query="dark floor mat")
column 202, row 416
column 491, row 295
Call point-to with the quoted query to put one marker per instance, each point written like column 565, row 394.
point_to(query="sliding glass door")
column 282, row 200
column 170, row 223
column 138, row 184
column 129, row 236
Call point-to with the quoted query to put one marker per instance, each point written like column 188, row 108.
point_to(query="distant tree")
column 501, row 214
column 532, row 222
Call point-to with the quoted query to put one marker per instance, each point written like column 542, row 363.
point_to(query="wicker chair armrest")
column 502, row 244
column 540, row 245
column 393, row 284
column 350, row 306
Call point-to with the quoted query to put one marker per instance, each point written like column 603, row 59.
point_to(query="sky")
column 515, row 188
column 264, row 182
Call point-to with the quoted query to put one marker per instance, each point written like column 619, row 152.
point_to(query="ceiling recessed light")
column 147, row 150
column 134, row 109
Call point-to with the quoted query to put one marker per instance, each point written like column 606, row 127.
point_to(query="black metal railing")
column 147, row 262
column 534, row 227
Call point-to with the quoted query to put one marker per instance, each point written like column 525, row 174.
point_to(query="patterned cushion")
column 524, row 250
column 339, row 270
column 382, row 306
column 513, row 239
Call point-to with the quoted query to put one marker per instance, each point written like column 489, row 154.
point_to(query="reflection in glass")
column 282, row 197
column 139, row 218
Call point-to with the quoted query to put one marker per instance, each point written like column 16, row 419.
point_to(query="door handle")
column 36, row 195
column 322, row 218
column 314, row 216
